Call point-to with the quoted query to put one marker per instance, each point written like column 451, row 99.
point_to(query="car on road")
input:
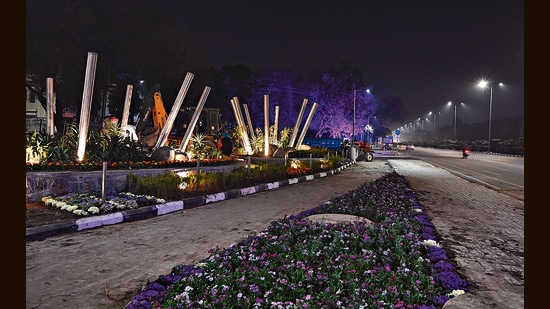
column 409, row 147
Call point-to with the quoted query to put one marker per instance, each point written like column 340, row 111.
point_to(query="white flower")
column 93, row 210
column 80, row 212
column 456, row 293
column 431, row 242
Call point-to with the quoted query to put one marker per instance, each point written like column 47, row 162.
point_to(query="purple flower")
column 141, row 304
column 428, row 233
column 147, row 296
column 441, row 299
column 451, row 280
column 168, row 279
column 155, row 286
column 436, row 254
column 442, row 266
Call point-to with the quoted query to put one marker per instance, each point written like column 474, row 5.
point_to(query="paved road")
column 104, row 267
column 499, row 172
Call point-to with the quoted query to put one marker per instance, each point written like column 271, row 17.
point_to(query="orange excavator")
column 153, row 118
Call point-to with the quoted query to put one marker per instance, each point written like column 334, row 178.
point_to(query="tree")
column 334, row 94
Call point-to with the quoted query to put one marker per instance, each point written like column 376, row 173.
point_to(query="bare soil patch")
column 38, row 213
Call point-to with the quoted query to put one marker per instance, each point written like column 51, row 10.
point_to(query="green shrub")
column 315, row 152
column 171, row 186
column 212, row 182
column 166, row 185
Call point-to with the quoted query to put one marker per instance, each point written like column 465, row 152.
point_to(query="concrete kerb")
column 44, row 231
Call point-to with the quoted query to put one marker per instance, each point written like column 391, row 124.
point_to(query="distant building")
column 36, row 114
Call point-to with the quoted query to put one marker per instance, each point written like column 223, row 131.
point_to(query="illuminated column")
column 240, row 124
column 276, row 125
column 50, row 128
column 266, row 124
column 127, row 101
column 194, row 119
column 306, row 125
column 297, row 125
column 86, row 104
column 249, row 121
column 163, row 137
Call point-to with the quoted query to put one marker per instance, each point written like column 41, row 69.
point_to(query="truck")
column 363, row 149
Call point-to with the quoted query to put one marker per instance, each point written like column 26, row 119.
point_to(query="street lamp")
column 422, row 125
column 454, row 122
column 485, row 84
column 354, row 104
column 353, row 121
column 434, row 114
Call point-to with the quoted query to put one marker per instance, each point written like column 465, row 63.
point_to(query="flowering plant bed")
column 300, row 263
column 87, row 204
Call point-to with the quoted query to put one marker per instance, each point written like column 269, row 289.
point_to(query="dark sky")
column 425, row 52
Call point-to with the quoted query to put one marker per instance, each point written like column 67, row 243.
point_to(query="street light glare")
column 483, row 84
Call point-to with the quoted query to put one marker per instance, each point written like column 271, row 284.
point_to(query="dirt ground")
column 37, row 213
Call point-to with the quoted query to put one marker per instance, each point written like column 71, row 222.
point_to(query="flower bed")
column 299, row 263
column 87, row 204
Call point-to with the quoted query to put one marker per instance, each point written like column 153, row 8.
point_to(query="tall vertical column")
column 297, row 125
column 306, row 125
column 194, row 119
column 266, row 124
column 86, row 104
column 163, row 137
column 50, row 127
column 249, row 121
column 240, row 124
column 276, row 125
column 126, row 111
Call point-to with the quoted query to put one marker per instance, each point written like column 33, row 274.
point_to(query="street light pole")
column 434, row 128
column 368, row 131
column 490, row 112
column 353, row 121
column 454, row 124
column 485, row 84
column 422, row 126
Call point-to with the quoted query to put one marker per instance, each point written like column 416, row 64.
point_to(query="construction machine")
column 153, row 117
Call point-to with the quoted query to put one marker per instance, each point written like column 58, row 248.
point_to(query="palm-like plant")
column 198, row 145
column 257, row 141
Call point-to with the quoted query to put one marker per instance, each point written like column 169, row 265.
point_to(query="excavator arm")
column 152, row 117
column 159, row 112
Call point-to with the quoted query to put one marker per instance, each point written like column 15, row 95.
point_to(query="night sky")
column 425, row 52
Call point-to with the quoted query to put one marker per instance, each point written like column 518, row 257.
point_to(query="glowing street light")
column 484, row 84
